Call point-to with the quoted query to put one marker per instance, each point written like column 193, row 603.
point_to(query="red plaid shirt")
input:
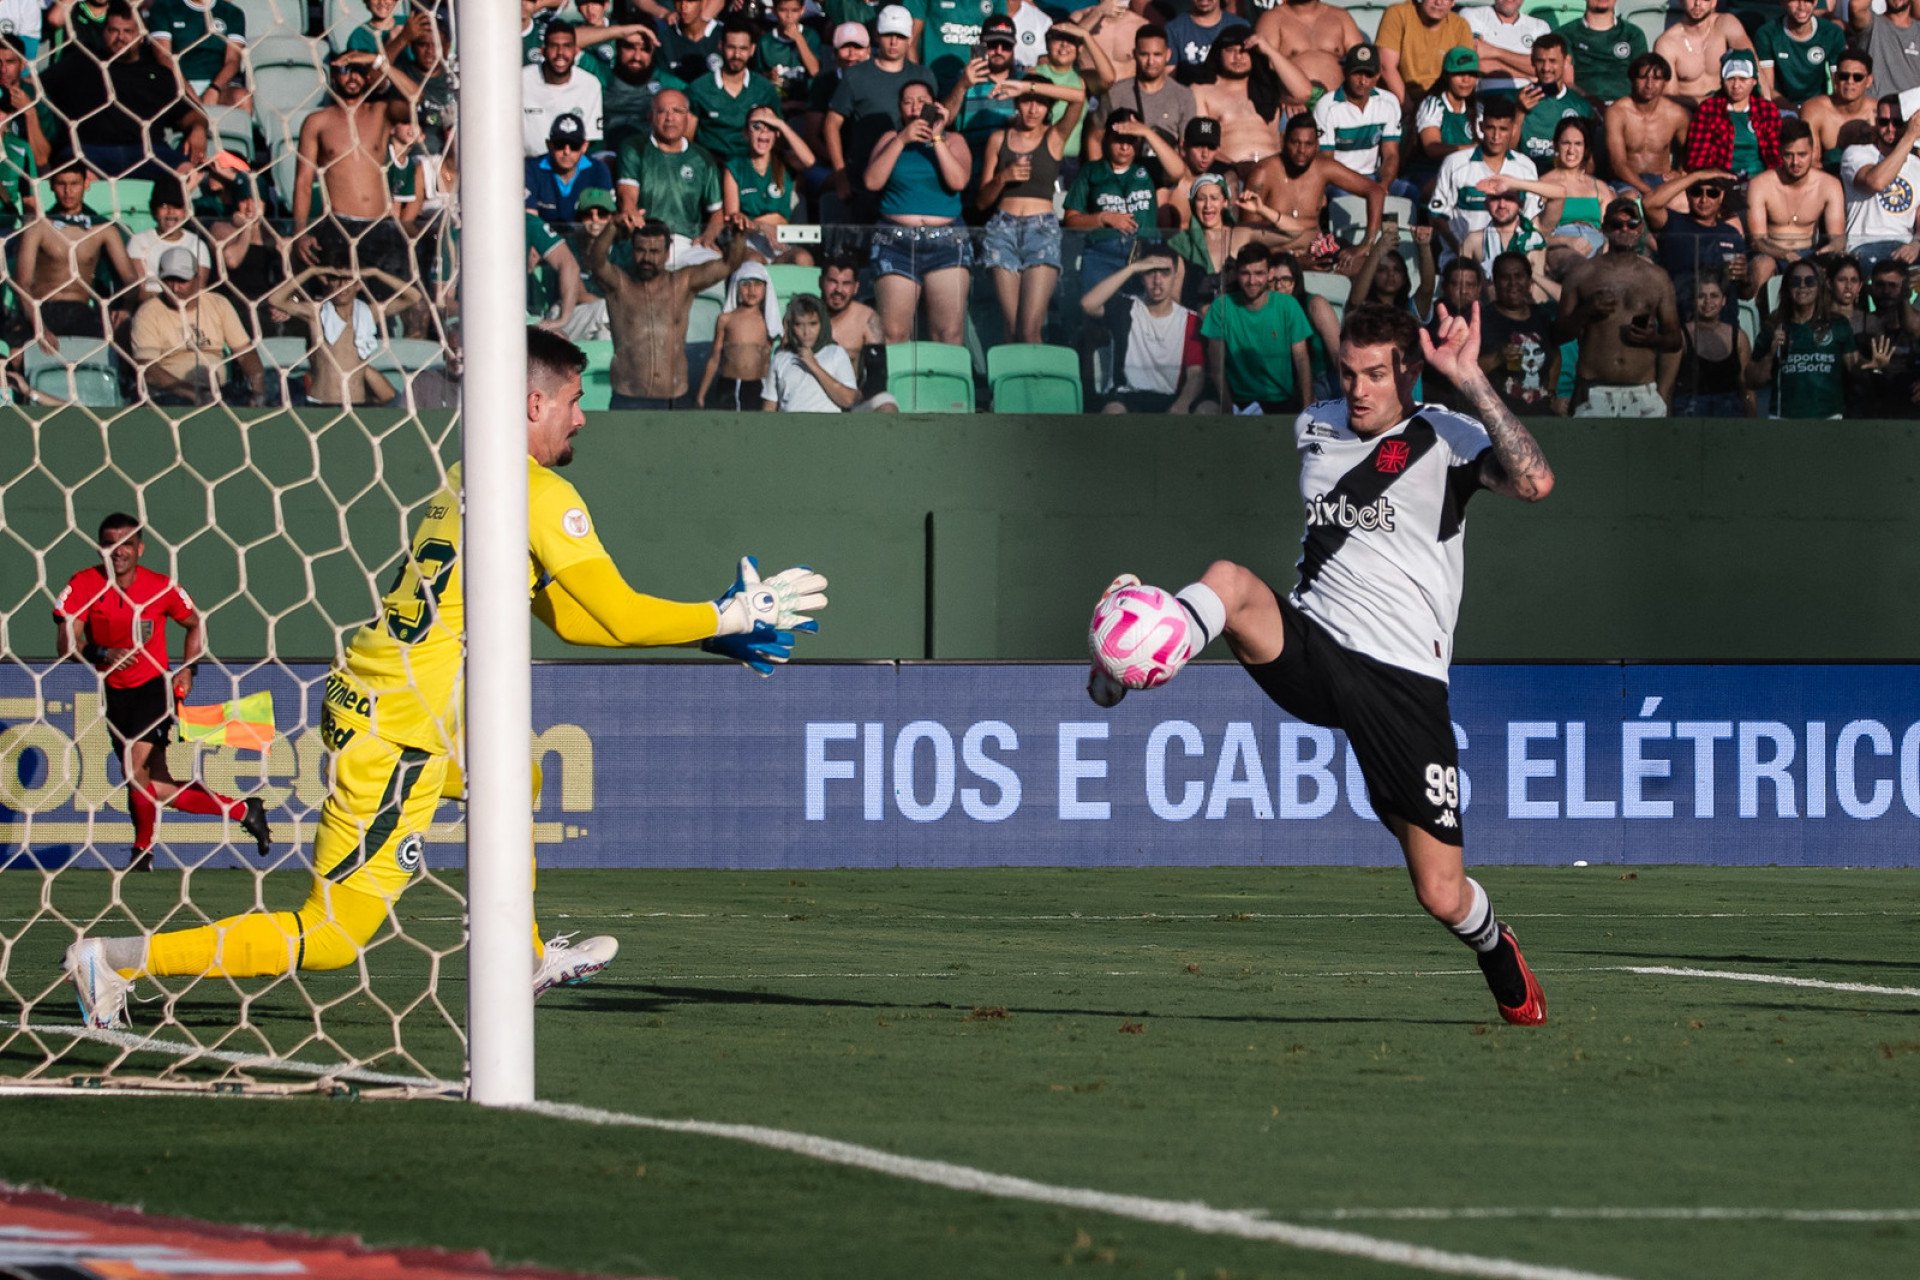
column 1710, row 136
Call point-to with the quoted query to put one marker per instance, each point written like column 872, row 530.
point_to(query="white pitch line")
column 256, row 1061
column 1769, row 979
column 1191, row 1215
column 1651, row 1213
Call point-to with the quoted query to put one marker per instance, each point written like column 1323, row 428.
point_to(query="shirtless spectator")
column 648, row 306
column 1112, row 26
column 1734, row 129
column 1548, row 99
column 856, row 329
column 1892, row 39
column 1845, row 117
column 1293, row 187
column 1314, row 35
column 183, row 337
column 168, row 205
column 556, row 86
column 119, row 105
column 1151, row 92
column 1797, row 50
column 1621, row 310
column 1646, row 129
column 1694, row 45
column 1158, row 364
column 1360, row 123
column 1458, row 208
column 344, row 327
column 59, row 254
column 735, row 378
column 1414, row 38
column 1243, row 86
column 1191, row 35
column 1881, row 182
column 1504, row 38
column 343, row 147
column 1794, row 210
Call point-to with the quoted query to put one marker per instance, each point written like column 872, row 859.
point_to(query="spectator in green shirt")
column 1797, row 51
column 791, row 54
column 722, row 100
column 1110, row 199
column 205, row 44
column 1604, row 45
column 666, row 178
column 1257, row 341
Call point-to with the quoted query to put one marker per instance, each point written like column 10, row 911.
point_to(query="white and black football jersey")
column 1383, row 555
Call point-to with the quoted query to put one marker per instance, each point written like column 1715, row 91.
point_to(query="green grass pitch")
column 1297, row 1042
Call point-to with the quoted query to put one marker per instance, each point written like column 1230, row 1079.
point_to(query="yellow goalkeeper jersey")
column 402, row 678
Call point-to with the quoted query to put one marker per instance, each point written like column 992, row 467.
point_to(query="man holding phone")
column 1621, row 309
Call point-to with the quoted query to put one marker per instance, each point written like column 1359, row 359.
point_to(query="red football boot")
column 1532, row 1011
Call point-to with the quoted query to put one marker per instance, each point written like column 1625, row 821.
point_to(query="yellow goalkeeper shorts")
column 373, row 826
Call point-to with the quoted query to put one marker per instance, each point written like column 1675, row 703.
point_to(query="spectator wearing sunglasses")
column 1882, row 186
column 1844, row 117
column 1620, row 308
column 1796, row 50
column 1888, row 392
column 556, row 180
column 1807, row 355
column 1706, row 238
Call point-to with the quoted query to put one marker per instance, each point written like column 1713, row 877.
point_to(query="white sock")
column 1207, row 611
column 125, row 953
column 1481, row 929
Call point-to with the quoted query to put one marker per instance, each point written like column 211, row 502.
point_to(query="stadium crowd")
column 750, row 204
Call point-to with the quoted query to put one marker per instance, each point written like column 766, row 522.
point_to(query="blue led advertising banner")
column 678, row 764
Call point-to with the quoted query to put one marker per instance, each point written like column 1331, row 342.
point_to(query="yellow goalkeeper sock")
column 328, row 932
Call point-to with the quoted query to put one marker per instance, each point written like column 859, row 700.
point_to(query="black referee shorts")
column 143, row 713
column 1397, row 721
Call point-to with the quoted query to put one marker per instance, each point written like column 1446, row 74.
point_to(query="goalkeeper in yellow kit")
column 391, row 717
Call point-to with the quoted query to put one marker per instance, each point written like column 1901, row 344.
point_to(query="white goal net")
column 233, row 244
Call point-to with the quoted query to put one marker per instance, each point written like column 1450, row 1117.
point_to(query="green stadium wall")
column 985, row 537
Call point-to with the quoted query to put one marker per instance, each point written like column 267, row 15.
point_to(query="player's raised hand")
column 782, row 601
column 761, row 649
column 1457, row 353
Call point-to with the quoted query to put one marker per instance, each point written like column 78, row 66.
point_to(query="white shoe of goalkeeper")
column 568, row 963
column 101, row 989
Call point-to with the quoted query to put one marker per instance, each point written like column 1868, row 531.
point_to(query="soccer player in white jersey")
column 1363, row 642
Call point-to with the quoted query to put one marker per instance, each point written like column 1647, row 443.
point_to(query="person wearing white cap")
column 866, row 105
column 183, row 337
column 743, row 341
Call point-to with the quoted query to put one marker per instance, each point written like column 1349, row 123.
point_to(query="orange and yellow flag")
column 244, row 722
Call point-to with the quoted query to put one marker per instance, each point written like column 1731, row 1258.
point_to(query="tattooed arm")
column 1514, row 466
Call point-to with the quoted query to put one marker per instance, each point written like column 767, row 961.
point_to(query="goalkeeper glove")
column 761, row 648
column 779, row 601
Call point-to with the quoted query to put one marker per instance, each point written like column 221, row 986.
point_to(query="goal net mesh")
column 276, row 471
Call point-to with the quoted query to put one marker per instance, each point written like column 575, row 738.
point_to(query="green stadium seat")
column 1556, row 13
column 1033, row 378
column 273, row 17
column 597, row 382
column 405, row 356
column 703, row 317
column 1347, row 215
column 1332, row 286
column 288, row 73
column 83, row 373
column 930, row 377
column 231, row 129
column 789, row 280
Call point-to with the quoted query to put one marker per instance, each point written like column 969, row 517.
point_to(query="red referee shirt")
column 130, row 619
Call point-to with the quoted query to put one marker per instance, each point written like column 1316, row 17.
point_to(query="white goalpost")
column 499, row 722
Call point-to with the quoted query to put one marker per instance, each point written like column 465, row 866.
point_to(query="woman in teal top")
column 919, row 246
column 1808, row 354
column 1289, row 278
column 756, row 189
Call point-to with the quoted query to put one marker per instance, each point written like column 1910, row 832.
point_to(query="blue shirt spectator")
column 554, row 181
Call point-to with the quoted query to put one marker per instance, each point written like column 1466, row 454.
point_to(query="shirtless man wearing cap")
column 1313, row 34
column 1694, row 46
column 1794, row 209
column 1288, row 190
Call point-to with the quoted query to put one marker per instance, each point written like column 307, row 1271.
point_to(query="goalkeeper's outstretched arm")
column 591, row 604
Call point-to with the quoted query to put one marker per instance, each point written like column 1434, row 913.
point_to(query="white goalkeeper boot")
column 567, row 963
column 101, row 989
column 1101, row 687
